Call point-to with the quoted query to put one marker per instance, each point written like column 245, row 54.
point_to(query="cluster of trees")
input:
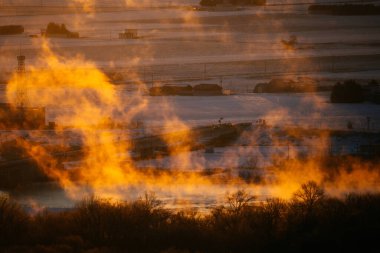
column 233, row 2
column 53, row 28
column 11, row 29
column 345, row 9
column 310, row 222
column 59, row 29
column 197, row 90
column 347, row 92
column 352, row 92
column 170, row 90
column 284, row 85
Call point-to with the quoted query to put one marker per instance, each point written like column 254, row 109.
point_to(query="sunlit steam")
column 89, row 101
column 84, row 100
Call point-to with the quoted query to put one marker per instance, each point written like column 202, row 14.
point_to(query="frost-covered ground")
column 179, row 37
column 303, row 110
column 308, row 110
column 236, row 49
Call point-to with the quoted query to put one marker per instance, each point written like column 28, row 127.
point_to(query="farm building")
column 129, row 34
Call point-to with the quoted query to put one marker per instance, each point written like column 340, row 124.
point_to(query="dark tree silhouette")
column 11, row 29
column 239, row 200
column 348, row 92
column 309, row 194
column 310, row 222
column 13, row 222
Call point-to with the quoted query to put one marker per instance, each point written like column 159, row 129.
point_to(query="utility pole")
column 288, row 149
column 265, row 67
column 368, row 123
column 144, row 75
column 21, row 92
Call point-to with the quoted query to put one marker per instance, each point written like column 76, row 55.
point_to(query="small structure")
column 129, row 34
column 291, row 43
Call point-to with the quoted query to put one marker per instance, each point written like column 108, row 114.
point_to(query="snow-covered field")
column 180, row 37
column 237, row 49
column 302, row 109
column 305, row 110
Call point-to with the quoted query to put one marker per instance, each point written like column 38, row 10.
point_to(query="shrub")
column 14, row 223
column 309, row 222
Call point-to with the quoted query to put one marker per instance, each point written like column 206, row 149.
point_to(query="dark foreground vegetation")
column 310, row 222
column 345, row 9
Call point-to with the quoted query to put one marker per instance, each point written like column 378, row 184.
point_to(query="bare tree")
column 309, row 195
column 150, row 201
column 239, row 200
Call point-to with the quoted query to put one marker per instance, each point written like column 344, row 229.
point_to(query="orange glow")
column 107, row 169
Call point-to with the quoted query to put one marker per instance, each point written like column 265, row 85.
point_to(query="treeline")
column 345, row 9
column 197, row 90
column 285, row 85
column 54, row 29
column 351, row 91
column 309, row 222
column 233, row 2
column 11, row 29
